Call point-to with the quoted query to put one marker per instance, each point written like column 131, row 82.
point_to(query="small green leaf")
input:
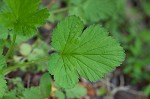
column 77, row 92
column 60, row 95
column 40, row 92
column 90, row 53
column 45, row 85
column 102, row 91
column 23, row 16
column 32, row 93
column 36, row 53
column 39, row 50
column 3, row 86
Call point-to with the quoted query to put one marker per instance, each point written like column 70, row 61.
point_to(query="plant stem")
column 11, row 47
column 59, row 10
column 12, row 68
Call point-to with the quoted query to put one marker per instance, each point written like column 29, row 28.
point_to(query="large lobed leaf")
column 23, row 16
column 90, row 53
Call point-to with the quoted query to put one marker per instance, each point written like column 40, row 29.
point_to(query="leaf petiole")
column 12, row 68
column 11, row 47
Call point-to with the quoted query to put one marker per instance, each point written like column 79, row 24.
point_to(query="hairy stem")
column 12, row 68
column 11, row 47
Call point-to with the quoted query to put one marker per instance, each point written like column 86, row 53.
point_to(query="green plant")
column 40, row 92
column 146, row 7
column 76, row 92
column 147, row 90
column 82, row 8
column 89, row 53
column 82, row 53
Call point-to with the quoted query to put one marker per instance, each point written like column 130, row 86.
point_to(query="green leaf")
column 76, row 8
column 9, row 97
column 102, row 91
column 147, row 90
column 32, row 93
column 23, row 16
column 2, row 62
column 90, row 53
column 45, row 85
column 39, row 50
column 77, row 92
column 60, row 95
column 146, row 7
column 99, row 9
column 3, row 32
column 145, row 36
column 3, row 86
column 22, row 38
column 2, row 43
column 41, row 92
column 90, row 11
